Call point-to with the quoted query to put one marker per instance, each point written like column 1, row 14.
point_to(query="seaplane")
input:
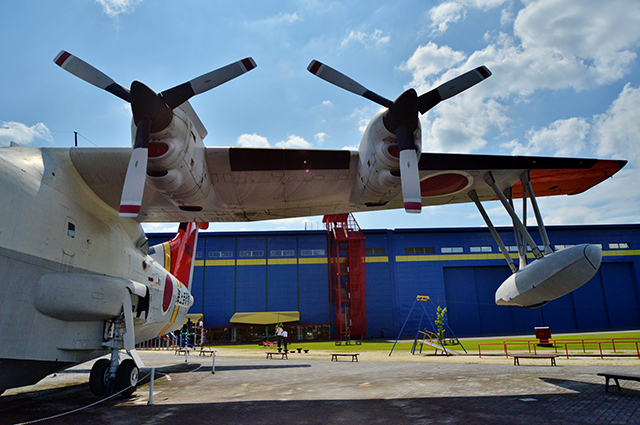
column 79, row 280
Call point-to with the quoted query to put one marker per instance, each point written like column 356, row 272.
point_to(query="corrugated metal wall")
column 270, row 271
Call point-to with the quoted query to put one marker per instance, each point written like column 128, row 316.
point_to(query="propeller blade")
column 91, row 75
column 176, row 96
column 410, row 181
column 135, row 180
column 452, row 88
column 339, row 79
column 409, row 173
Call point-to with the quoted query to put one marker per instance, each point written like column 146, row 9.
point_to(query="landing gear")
column 101, row 383
column 99, row 377
column 110, row 376
column 127, row 377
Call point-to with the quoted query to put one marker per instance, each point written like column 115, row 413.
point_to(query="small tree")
column 440, row 312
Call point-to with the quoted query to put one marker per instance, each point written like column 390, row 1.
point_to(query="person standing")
column 279, row 335
column 285, row 338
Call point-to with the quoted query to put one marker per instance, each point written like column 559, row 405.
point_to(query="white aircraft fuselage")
column 54, row 228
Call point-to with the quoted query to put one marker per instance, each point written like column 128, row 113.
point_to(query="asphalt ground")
column 306, row 390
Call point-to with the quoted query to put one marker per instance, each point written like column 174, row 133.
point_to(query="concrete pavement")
column 317, row 391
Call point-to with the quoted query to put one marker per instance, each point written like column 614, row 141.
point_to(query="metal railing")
column 555, row 343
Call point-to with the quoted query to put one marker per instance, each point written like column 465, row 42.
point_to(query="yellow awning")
column 266, row 317
column 195, row 318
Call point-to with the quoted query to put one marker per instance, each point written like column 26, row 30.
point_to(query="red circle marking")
column 168, row 293
column 443, row 184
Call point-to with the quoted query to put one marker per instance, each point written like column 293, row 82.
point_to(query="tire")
column 127, row 377
column 98, row 377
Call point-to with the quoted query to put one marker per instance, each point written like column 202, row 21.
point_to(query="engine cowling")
column 378, row 179
column 550, row 277
column 177, row 164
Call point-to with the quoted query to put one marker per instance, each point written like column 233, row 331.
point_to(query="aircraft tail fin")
column 178, row 254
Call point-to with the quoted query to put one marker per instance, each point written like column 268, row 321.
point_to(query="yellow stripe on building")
column 377, row 259
column 321, row 260
column 621, row 253
column 255, row 262
column 279, row 261
column 221, row 262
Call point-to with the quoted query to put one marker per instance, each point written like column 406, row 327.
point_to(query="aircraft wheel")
column 99, row 376
column 127, row 377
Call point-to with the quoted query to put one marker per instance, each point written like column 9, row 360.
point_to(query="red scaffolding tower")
column 347, row 276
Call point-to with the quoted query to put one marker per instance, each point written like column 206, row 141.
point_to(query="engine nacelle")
column 550, row 277
column 378, row 179
column 177, row 164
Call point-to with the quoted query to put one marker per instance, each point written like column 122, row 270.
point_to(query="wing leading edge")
column 253, row 184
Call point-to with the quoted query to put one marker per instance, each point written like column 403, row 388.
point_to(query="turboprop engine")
column 550, row 277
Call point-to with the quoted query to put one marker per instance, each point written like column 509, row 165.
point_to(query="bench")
column 204, row 352
column 354, row 357
column 616, row 377
column 270, row 354
column 181, row 350
column 517, row 357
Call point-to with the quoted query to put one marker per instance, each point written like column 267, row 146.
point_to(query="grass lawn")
column 471, row 344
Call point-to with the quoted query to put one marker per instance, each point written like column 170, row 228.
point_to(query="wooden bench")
column 616, row 377
column 204, row 352
column 517, row 357
column 270, row 354
column 354, row 357
column 181, row 351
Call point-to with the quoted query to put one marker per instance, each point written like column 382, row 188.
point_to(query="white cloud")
column 444, row 14
column 593, row 33
column 319, row 138
column 115, row 7
column 616, row 131
column 563, row 138
column 430, row 60
column 294, row 141
column 22, row 134
column 327, row 103
column 280, row 18
column 368, row 39
column 252, row 140
column 556, row 45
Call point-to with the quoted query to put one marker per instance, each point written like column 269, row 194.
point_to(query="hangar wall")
column 459, row 268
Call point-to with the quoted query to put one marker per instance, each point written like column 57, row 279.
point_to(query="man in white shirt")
column 279, row 335
column 285, row 338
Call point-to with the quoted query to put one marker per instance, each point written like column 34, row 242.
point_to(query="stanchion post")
column 213, row 364
column 153, row 377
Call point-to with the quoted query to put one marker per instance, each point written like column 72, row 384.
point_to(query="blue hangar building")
column 458, row 268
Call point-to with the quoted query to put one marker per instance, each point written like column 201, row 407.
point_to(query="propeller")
column 401, row 118
column 152, row 113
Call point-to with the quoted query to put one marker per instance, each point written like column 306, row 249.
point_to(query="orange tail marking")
column 183, row 247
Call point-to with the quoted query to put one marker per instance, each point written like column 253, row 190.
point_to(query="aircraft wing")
column 252, row 184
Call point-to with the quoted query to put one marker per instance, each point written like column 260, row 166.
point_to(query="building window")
column 220, row 254
column 619, row 245
column 481, row 249
column 512, row 248
column 540, row 247
column 251, row 254
column 313, row 253
column 374, row 251
column 425, row 250
column 563, row 246
column 282, row 253
column 451, row 249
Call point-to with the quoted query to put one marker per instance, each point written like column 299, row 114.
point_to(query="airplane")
column 80, row 281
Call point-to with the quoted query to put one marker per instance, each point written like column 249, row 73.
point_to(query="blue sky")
column 565, row 82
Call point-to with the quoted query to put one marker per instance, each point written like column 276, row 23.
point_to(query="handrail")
column 566, row 342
